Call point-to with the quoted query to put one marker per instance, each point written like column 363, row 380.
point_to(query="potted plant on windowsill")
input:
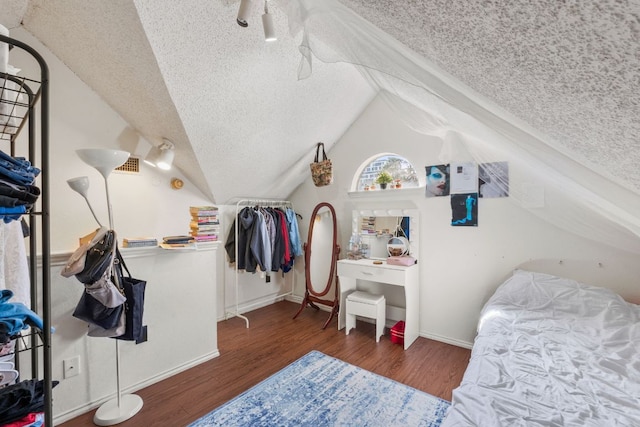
column 383, row 179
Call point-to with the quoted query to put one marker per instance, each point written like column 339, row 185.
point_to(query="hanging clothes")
column 294, row 232
column 14, row 266
column 271, row 235
column 266, row 239
column 277, row 251
column 256, row 256
column 287, row 258
column 265, row 249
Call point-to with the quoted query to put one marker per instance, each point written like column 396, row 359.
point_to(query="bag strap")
column 121, row 264
column 113, row 254
column 324, row 155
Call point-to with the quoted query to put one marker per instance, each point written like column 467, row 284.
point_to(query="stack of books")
column 205, row 224
column 176, row 242
column 368, row 225
column 139, row 242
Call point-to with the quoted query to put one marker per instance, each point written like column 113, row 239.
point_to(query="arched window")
column 402, row 173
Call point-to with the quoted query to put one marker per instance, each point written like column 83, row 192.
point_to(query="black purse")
column 93, row 311
column 98, row 259
column 134, row 290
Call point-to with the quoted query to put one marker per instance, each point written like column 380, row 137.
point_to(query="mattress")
column 552, row 352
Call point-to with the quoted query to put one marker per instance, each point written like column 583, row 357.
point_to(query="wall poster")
column 493, row 179
column 464, row 210
column 464, row 178
column 437, row 180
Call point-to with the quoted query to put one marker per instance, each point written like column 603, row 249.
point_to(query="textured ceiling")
column 244, row 125
column 570, row 69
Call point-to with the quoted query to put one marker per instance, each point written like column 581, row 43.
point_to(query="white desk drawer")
column 372, row 273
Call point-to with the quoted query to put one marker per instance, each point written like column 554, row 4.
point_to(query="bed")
column 552, row 352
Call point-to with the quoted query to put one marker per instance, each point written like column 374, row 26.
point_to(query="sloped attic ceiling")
column 242, row 123
column 231, row 103
column 570, row 69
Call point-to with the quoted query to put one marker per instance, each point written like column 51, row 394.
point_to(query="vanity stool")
column 366, row 305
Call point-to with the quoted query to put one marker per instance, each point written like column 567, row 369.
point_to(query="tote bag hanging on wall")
column 321, row 170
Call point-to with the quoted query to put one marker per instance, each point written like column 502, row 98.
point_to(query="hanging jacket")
column 294, row 232
column 230, row 243
column 287, row 258
column 278, row 247
column 264, row 258
column 257, row 244
column 271, row 234
column 246, row 220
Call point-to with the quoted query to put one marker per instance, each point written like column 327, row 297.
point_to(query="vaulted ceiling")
column 244, row 125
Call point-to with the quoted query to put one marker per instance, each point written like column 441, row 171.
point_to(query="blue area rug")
column 319, row 390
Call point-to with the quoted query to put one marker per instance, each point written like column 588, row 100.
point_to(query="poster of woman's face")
column 437, row 180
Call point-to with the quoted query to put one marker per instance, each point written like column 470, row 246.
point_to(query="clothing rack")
column 241, row 204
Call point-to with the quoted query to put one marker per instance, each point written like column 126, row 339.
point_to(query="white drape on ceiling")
column 554, row 185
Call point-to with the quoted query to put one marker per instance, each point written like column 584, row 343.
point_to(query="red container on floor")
column 397, row 333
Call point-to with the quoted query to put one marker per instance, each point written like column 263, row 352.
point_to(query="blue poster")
column 464, row 210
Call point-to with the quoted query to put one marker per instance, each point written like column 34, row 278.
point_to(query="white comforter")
column 552, row 352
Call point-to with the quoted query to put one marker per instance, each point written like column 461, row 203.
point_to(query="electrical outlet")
column 71, row 367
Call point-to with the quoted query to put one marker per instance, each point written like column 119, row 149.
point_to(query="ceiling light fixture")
column 267, row 19
column 161, row 156
column 243, row 13
column 267, row 24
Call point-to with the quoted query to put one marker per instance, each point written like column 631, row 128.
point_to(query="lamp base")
column 110, row 413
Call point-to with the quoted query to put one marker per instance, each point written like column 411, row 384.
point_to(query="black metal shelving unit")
column 26, row 105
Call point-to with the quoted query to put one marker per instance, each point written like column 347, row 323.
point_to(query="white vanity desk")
column 350, row 271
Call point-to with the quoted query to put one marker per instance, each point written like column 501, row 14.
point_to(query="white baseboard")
column 296, row 299
column 89, row 406
column 446, row 340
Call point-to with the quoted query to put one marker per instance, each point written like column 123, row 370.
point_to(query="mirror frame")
column 311, row 296
column 334, row 254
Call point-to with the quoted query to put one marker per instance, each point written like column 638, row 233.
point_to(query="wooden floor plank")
column 274, row 340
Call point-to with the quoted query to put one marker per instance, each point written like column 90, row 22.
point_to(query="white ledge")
column 388, row 194
column 145, row 251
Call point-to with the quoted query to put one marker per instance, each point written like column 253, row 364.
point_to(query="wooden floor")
column 274, row 340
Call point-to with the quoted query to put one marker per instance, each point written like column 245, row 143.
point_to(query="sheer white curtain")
column 550, row 183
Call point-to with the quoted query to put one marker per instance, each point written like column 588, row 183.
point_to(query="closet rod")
column 243, row 203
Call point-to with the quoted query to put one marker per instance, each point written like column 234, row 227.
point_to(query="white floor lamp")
column 123, row 407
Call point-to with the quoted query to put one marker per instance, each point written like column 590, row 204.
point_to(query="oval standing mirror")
column 320, row 255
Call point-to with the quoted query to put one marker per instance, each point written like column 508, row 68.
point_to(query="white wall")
column 180, row 309
column 180, row 314
column 460, row 267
